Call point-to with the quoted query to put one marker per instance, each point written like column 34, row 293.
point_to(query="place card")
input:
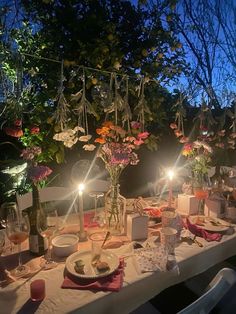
column 137, row 227
column 187, row 204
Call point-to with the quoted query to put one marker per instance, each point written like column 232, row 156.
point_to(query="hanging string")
column 115, row 101
column 127, row 107
column 142, row 118
column 87, row 68
column 84, row 104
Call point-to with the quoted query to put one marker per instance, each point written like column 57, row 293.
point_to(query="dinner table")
column 138, row 287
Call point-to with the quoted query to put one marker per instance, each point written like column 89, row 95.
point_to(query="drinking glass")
column 47, row 224
column 5, row 210
column 17, row 230
column 96, row 196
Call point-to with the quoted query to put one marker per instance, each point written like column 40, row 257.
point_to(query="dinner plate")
column 89, row 271
column 210, row 224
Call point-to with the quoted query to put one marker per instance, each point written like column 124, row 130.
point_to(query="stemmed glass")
column 5, row 210
column 96, row 195
column 17, row 230
column 47, row 224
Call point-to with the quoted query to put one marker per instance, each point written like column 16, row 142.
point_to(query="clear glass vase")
column 114, row 210
column 201, row 191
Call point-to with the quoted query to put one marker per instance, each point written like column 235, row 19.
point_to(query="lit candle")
column 170, row 175
column 82, row 232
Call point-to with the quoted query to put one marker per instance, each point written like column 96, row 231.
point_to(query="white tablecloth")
column 137, row 288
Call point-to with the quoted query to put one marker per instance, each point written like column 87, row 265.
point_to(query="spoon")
column 105, row 239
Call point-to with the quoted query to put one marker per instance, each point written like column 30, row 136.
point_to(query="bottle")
column 37, row 244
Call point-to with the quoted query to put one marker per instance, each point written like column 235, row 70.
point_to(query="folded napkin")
column 112, row 282
column 200, row 232
column 151, row 259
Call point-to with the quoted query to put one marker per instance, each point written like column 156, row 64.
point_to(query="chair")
column 217, row 288
column 58, row 194
column 46, row 194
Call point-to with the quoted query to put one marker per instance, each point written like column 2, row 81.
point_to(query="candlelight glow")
column 81, row 187
column 170, row 174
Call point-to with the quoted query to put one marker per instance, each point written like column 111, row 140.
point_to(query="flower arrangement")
column 31, row 138
column 118, row 146
column 70, row 137
column 117, row 150
column 198, row 154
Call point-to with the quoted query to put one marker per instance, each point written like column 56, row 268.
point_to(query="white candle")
column 170, row 176
column 82, row 233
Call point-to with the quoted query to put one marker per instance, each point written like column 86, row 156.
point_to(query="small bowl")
column 65, row 244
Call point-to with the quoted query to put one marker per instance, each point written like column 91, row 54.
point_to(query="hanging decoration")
column 142, row 107
column 62, row 112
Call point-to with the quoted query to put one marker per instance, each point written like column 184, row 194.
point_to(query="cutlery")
column 196, row 241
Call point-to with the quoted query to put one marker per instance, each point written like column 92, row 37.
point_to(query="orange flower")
column 103, row 131
column 100, row 140
column 107, row 124
column 14, row 131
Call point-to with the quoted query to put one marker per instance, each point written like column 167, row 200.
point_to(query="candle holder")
column 82, row 232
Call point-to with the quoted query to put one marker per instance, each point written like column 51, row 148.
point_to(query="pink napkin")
column 200, row 232
column 112, row 282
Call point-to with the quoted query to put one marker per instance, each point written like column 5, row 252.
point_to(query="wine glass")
column 5, row 210
column 47, row 224
column 17, row 230
column 96, row 195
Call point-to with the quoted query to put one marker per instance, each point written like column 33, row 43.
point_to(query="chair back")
column 217, row 288
column 46, row 194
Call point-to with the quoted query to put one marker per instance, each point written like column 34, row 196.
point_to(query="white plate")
column 90, row 271
column 211, row 224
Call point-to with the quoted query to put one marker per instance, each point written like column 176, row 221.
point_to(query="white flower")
column 207, row 147
column 79, row 128
column 15, row 170
column 89, row 147
column 85, row 138
column 197, row 144
column 69, row 143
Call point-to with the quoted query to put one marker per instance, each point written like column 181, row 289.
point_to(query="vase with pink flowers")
column 117, row 150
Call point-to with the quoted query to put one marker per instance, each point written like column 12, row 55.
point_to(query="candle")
column 82, row 233
column 170, row 176
column 37, row 290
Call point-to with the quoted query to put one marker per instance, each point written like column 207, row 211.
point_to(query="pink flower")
column 143, row 135
column 129, row 139
column 173, row 126
column 184, row 139
column 138, row 142
column 136, row 125
column 39, row 173
column 34, row 130
column 18, row 122
column 220, row 145
column 30, row 152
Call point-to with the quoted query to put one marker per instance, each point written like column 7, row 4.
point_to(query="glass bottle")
column 37, row 244
column 114, row 210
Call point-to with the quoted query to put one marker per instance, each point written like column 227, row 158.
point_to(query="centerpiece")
column 117, row 151
column 199, row 154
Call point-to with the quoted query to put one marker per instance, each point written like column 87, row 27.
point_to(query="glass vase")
column 201, row 192
column 114, row 210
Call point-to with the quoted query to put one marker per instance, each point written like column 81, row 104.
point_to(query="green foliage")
column 106, row 35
